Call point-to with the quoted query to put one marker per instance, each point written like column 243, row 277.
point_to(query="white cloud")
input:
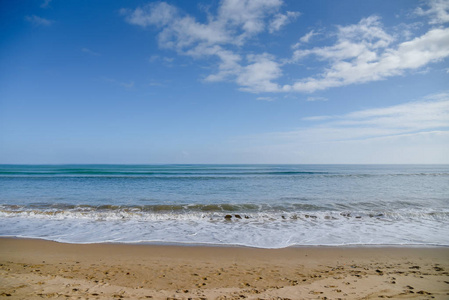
column 305, row 38
column 362, row 54
column 234, row 22
column 438, row 11
column 368, row 30
column 258, row 75
column 158, row 14
column 38, row 21
column 229, row 62
column 280, row 20
column 354, row 41
column 248, row 16
column 220, row 37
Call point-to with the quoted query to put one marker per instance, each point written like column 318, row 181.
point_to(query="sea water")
column 267, row 206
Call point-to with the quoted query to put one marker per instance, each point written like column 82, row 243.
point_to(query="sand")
column 36, row 269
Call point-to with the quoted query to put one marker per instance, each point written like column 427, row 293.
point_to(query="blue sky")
column 266, row 81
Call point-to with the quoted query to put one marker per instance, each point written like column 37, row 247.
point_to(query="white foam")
column 265, row 230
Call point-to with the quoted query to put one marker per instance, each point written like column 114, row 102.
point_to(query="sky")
column 229, row 81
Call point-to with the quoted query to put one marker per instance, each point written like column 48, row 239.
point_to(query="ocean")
column 265, row 206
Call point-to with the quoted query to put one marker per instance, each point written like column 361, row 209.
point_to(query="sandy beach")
column 35, row 269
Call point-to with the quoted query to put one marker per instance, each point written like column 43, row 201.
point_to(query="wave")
column 186, row 208
column 196, row 174
column 222, row 212
column 176, row 175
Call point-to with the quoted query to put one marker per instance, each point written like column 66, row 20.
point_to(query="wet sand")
column 36, row 269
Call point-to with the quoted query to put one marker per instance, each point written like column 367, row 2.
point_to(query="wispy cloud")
column 316, row 99
column 164, row 59
column 127, row 85
column 154, row 83
column 306, row 38
column 413, row 117
column 436, row 10
column 265, row 98
column 280, row 20
column 38, row 21
column 46, row 3
column 90, row 52
column 413, row 132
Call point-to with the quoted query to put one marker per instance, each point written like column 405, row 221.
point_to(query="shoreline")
column 212, row 245
column 36, row 269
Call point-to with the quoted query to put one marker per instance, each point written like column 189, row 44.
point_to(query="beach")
column 36, row 269
column 224, row 232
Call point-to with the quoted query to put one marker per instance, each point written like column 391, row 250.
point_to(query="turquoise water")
column 269, row 206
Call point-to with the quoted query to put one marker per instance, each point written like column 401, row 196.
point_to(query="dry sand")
column 35, row 269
